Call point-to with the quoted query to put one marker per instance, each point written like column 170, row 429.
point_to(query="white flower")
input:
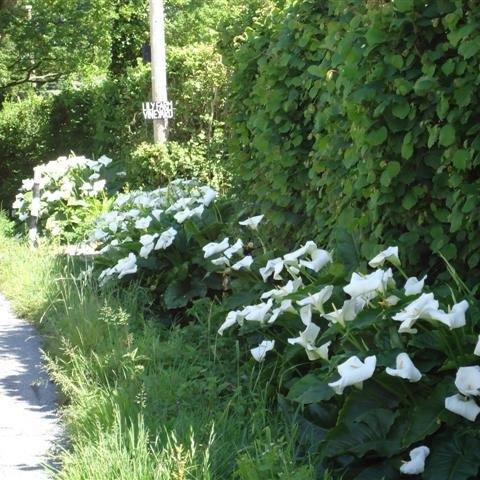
column 99, row 235
column 235, row 248
column 235, row 316
column 104, row 160
column 423, row 307
column 389, row 255
column 413, row 286
column 369, row 286
column 285, row 306
column 317, row 299
column 292, row 257
column 126, row 266
column 307, row 341
column 245, row 262
column 213, row 248
column 98, row 186
column 416, row 465
column 405, row 369
column 133, row 213
column 477, row 347
column 465, row 407
column 306, row 314
column 257, row 313
column 347, row 313
column 156, row 212
column 166, row 239
column 27, row 184
column 320, row 258
column 94, row 176
column 180, row 217
column 354, row 372
column 147, row 242
column 291, row 287
column 105, row 275
column 467, row 380
column 221, row 261
column 252, row 222
column 209, row 195
column 143, row 223
column 274, row 266
column 258, row 353
column 455, row 318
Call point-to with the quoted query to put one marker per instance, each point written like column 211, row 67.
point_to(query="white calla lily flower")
column 165, row 239
column 233, row 317
column 209, row 195
column 348, row 312
column 156, row 213
column 221, row 262
column 317, row 299
column 252, row 222
column 274, row 266
column 413, row 286
column 389, row 255
column 463, row 406
column 354, row 372
column 319, row 258
column 235, row 248
column 455, row 318
column 245, row 262
column 293, row 257
column 104, row 160
column 307, row 341
column 416, row 464
column 369, row 286
column 291, row 287
column 143, row 223
column 477, row 347
column 422, row 308
column 126, row 266
column 258, row 353
column 405, row 369
column 257, row 313
column 147, row 242
column 214, row 248
column 285, row 306
column 306, row 314
column 467, row 380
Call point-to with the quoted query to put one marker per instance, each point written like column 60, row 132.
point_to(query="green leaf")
column 310, row 389
column 315, row 70
column 469, row 49
column 456, row 458
column 407, row 146
column 409, row 200
column 390, row 172
column 447, row 135
column 403, row 5
column 461, row 159
column 377, row 137
column 179, row 293
column 401, row 110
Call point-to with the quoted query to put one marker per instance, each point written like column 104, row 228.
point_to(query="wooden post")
column 35, row 207
column 159, row 66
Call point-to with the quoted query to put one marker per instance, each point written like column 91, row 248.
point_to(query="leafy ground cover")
column 142, row 401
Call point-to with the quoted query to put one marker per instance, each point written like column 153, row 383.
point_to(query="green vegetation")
column 351, row 115
column 142, row 401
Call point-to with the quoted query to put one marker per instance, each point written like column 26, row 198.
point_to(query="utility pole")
column 159, row 66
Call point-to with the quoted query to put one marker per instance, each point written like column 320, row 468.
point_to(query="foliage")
column 306, row 330
column 60, row 37
column 153, row 165
column 131, row 404
column 352, row 116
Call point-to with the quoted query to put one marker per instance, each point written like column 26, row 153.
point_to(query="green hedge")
column 364, row 116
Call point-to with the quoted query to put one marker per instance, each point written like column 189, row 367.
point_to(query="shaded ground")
column 29, row 426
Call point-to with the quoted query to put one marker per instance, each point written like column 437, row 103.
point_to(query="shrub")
column 362, row 115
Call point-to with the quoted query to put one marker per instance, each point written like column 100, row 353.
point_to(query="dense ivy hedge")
column 365, row 116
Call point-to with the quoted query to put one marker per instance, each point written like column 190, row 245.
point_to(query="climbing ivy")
column 363, row 116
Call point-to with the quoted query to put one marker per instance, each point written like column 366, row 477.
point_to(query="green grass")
column 141, row 401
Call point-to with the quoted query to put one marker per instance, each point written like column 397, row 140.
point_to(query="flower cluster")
column 64, row 182
column 326, row 330
column 143, row 222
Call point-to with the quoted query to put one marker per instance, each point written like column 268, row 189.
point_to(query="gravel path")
column 29, row 426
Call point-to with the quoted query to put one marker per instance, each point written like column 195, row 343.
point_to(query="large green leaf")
column 310, row 389
column 454, row 457
column 179, row 293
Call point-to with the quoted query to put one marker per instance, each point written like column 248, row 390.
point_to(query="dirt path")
column 29, row 426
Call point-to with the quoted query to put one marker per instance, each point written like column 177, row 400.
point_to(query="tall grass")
column 141, row 401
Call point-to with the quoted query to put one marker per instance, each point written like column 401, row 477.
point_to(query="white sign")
column 155, row 110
